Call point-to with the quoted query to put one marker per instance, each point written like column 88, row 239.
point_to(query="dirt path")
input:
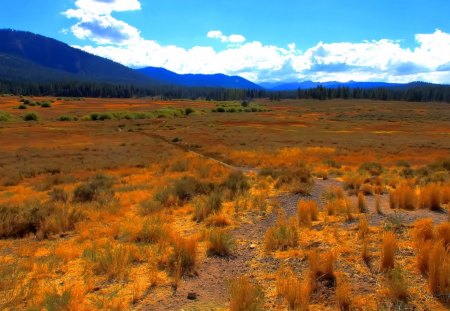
column 211, row 284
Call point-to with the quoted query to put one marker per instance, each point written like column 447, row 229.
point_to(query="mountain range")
column 28, row 57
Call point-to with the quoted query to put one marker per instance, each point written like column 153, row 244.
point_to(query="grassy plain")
column 167, row 205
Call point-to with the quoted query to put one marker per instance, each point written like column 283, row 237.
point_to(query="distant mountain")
column 198, row 80
column 304, row 85
column 25, row 56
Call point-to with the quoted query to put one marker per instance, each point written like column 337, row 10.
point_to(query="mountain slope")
column 291, row 86
column 38, row 58
column 198, row 80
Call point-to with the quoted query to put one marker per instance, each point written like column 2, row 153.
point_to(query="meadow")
column 148, row 204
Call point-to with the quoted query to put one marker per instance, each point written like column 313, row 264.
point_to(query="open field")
column 164, row 205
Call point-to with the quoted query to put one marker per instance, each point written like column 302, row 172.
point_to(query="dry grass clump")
column 205, row 205
column 220, row 242
column 112, row 261
column 99, row 188
column 245, row 296
column 430, row 197
column 218, row 220
column 396, row 284
column 343, row 292
column 293, row 290
column 237, row 183
column 149, row 207
column 362, row 204
column 404, row 197
column 183, row 256
column 296, row 179
column 423, row 230
column 439, row 271
column 321, row 266
column 282, row 235
column 378, row 204
column 365, row 255
column 307, row 211
column 154, row 230
column 388, row 250
column 367, row 189
column 442, row 233
column 363, row 228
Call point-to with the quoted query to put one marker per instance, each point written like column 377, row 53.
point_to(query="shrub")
column 236, row 182
column 188, row 111
column 298, row 179
column 151, row 206
column 307, row 211
column 183, row 256
column 205, row 205
column 296, row 292
column 423, row 250
column 281, row 236
column 373, row 168
column 66, row 118
column 367, row 189
column 46, row 104
column 4, row 116
column 154, row 230
column 218, row 220
column 60, row 220
column 245, row 296
column 363, row 228
column 22, row 107
column 58, row 195
column 396, row 284
column 321, row 266
column 97, row 188
column 54, row 301
column 186, row 188
column 221, row 243
column 388, row 250
column 31, row 116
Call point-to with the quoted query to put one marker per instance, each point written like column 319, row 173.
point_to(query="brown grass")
column 396, row 284
column 362, row 204
column 404, row 197
column 220, row 242
column 439, row 271
column 423, row 230
column 184, row 256
column 388, row 250
column 430, row 197
column 293, row 290
column 308, row 211
column 282, row 235
column 245, row 296
column 343, row 292
column 321, row 265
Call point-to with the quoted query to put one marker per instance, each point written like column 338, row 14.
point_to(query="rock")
column 252, row 246
column 192, row 296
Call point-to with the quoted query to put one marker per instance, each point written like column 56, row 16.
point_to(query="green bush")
column 66, row 118
column 98, row 187
column 46, row 104
column 236, row 182
column 4, row 116
column 31, row 116
column 22, row 107
column 188, row 111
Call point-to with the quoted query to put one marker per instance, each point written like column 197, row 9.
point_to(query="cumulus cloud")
column 217, row 34
column 376, row 60
column 96, row 23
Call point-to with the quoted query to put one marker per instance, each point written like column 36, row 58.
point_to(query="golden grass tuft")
column 423, row 250
column 343, row 292
column 363, row 228
column 396, row 284
column 423, row 230
column 442, row 232
column 183, row 257
column 308, row 211
column 245, row 296
column 321, row 265
column 362, row 204
column 439, row 270
column 378, row 204
column 220, row 242
column 282, row 235
column 403, row 197
column 430, row 197
column 388, row 250
column 294, row 291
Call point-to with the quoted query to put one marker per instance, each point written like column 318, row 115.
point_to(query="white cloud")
column 96, row 23
column 377, row 60
column 101, row 7
column 217, row 34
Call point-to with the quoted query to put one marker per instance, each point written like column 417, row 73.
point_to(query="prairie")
column 149, row 204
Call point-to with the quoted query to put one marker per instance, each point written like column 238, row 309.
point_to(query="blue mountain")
column 198, row 80
column 25, row 56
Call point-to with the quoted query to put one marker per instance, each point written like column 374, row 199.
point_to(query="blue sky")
column 373, row 40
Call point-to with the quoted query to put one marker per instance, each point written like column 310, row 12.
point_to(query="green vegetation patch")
column 4, row 116
column 236, row 107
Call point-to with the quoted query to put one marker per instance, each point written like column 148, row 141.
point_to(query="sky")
column 261, row 40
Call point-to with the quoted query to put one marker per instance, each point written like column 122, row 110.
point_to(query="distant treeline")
column 420, row 92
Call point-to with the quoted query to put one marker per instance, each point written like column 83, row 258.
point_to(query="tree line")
column 419, row 92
